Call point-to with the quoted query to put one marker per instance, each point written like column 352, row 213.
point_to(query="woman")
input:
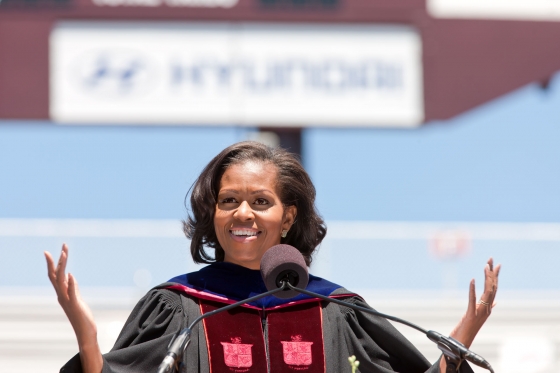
column 249, row 198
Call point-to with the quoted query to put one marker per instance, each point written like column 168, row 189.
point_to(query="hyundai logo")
column 114, row 73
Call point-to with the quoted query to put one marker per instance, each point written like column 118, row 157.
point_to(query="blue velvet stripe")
column 236, row 282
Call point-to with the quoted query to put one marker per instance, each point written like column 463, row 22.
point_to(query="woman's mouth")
column 244, row 235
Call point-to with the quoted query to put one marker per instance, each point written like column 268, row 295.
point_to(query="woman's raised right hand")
column 77, row 311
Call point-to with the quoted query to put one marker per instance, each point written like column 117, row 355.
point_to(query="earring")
column 284, row 233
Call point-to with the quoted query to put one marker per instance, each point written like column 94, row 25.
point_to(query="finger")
column 497, row 271
column 61, row 268
column 489, row 280
column 73, row 291
column 50, row 268
column 495, row 284
column 489, row 287
column 472, row 298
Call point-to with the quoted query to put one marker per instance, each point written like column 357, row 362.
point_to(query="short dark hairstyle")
column 294, row 187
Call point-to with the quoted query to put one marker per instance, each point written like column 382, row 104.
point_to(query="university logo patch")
column 297, row 352
column 237, row 354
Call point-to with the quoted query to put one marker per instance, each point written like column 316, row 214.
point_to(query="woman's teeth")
column 244, row 233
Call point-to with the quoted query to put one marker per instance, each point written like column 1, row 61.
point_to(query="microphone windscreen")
column 280, row 261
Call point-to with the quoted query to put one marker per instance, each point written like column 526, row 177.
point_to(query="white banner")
column 544, row 10
column 249, row 74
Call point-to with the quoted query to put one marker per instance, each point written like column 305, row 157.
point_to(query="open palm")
column 76, row 310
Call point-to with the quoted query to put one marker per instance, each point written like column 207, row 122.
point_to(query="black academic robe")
column 143, row 342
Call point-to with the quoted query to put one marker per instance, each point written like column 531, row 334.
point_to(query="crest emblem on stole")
column 297, row 352
column 237, row 354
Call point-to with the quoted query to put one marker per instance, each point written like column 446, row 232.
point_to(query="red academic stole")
column 236, row 340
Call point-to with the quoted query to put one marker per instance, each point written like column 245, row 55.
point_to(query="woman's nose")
column 244, row 212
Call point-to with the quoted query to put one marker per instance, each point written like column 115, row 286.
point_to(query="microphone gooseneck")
column 359, row 308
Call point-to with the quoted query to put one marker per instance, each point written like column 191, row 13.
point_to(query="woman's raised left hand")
column 478, row 312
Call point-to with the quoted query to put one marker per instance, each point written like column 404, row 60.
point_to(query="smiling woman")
column 250, row 216
column 268, row 184
column 248, row 199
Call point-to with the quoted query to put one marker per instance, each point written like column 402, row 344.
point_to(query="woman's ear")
column 290, row 214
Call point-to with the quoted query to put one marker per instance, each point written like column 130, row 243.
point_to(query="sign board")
column 243, row 74
column 545, row 10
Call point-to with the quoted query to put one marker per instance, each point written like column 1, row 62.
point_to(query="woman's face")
column 249, row 215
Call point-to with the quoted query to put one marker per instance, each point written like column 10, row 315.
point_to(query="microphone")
column 283, row 265
column 452, row 347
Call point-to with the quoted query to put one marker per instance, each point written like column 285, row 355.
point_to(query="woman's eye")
column 261, row 201
column 229, row 200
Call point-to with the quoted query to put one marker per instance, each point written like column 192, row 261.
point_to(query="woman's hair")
column 294, row 187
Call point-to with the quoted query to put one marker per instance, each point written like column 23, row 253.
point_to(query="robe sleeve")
column 142, row 344
column 377, row 344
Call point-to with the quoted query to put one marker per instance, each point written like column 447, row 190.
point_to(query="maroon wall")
column 466, row 62
column 24, row 68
